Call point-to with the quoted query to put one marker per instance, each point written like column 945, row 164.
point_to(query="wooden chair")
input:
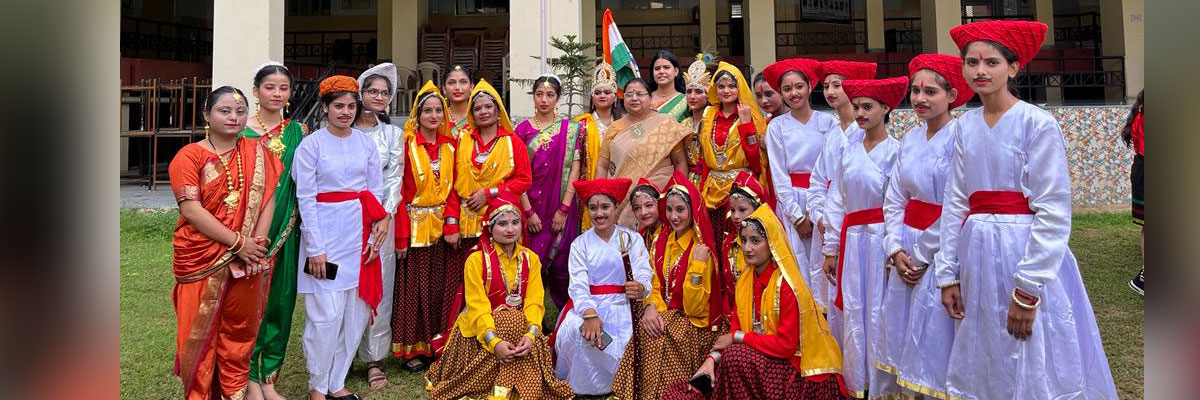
column 435, row 47
column 140, row 124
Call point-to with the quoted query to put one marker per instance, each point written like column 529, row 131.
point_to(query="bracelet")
column 715, row 355
column 1016, row 298
column 590, row 316
column 739, row 337
column 533, row 330
column 530, row 213
column 487, row 337
column 239, row 242
column 452, row 221
column 564, row 208
column 493, row 192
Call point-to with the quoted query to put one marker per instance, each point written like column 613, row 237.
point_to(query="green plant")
column 574, row 69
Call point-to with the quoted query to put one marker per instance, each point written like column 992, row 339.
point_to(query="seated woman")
column 685, row 306
column 609, row 267
column 745, row 196
column 502, row 320
column 784, row 351
column 643, row 200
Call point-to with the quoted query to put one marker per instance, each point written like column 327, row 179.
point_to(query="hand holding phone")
column 703, row 383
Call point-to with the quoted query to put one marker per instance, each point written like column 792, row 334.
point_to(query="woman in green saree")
column 273, row 89
column 666, row 89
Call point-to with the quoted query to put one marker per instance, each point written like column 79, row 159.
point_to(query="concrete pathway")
column 139, row 196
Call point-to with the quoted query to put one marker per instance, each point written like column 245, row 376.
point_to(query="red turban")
column 615, row 188
column 1023, row 38
column 809, row 67
column 950, row 68
column 849, row 69
column 888, row 91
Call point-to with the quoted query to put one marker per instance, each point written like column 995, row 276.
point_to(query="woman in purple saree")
column 555, row 156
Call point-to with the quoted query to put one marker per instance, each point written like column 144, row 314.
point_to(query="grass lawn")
column 1106, row 245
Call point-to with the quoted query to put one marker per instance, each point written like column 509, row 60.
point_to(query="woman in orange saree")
column 224, row 186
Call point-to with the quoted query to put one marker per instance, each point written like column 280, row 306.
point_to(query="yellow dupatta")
column 433, row 182
column 725, row 162
column 818, row 351
column 591, row 149
column 497, row 166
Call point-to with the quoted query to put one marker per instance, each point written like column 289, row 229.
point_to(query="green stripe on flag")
column 622, row 62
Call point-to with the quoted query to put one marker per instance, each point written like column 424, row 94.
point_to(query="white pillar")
column 1043, row 11
column 937, row 17
column 708, row 25
column 383, row 29
column 245, row 34
column 588, row 24
column 760, row 33
column 875, row 26
column 407, row 16
column 529, row 35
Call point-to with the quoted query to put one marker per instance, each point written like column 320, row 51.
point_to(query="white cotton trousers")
column 377, row 340
column 332, row 331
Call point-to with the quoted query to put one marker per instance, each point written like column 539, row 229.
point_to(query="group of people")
column 702, row 236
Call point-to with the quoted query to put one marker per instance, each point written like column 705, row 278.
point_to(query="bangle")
column 533, row 330
column 564, row 208
column 487, row 337
column 590, row 316
column 739, row 337
column 452, row 221
column 239, row 243
column 1016, row 298
column 530, row 213
column 493, row 192
column 715, row 355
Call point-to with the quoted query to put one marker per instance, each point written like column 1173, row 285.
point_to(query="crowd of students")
column 767, row 250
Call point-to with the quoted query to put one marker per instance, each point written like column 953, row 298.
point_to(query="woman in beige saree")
column 643, row 143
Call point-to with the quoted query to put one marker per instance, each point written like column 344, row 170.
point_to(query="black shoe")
column 1138, row 283
column 350, row 396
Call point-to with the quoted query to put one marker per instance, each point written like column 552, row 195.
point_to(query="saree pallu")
column 670, row 357
column 641, row 150
column 467, row 369
column 746, row 373
column 276, row 325
column 217, row 315
column 589, row 146
column 551, row 151
column 417, row 314
column 675, row 108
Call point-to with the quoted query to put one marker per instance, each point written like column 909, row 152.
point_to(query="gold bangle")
column 239, row 242
column 590, row 316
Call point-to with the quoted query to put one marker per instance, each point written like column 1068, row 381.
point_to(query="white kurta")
column 859, row 184
column 336, row 316
column 595, row 262
column 794, row 148
column 990, row 254
column 818, row 187
column 389, row 144
column 918, row 331
column 327, row 163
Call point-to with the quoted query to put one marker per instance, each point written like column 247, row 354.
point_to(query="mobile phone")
column 605, row 338
column 703, row 383
column 330, row 270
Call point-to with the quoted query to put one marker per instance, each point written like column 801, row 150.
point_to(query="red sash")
column 860, row 217
column 998, row 202
column 921, row 215
column 595, row 290
column 370, row 277
column 800, row 179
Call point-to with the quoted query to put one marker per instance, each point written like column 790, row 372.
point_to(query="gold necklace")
column 274, row 143
column 231, row 200
column 670, row 285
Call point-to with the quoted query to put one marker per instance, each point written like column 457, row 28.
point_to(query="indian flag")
column 616, row 53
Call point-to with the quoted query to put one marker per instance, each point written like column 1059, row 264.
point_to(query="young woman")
column 697, row 80
column 554, row 146
column 666, row 89
column 854, row 253
column 729, row 141
column 770, row 99
column 643, row 200
column 225, row 187
column 496, row 347
column 745, row 196
column 273, row 89
column 1027, row 329
column 489, row 160
column 427, row 231
column 456, row 84
column 779, row 346
column 822, row 175
column 377, row 86
column 917, row 331
column 1134, row 136
column 339, row 181
column 610, row 272
column 795, row 140
column 685, row 308
column 641, row 144
column 604, row 111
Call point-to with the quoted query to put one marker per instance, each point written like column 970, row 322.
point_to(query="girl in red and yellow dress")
column 497, row 348
column 643, row 200
column 780, row 346
column 744, row 197
column 427, row 231
column 730, row 133
column 225, row 187
column 685, row 307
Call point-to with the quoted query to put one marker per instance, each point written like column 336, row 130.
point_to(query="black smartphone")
column 605, row 338
column 330, row 270
column 703, row 383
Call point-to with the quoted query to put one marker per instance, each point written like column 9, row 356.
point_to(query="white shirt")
column 922, row 167
column 861, row 180
column 327, row 163
column 826, row 169
column 794, row 147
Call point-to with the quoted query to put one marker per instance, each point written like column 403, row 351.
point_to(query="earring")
column 206, row 131
column 256, row 107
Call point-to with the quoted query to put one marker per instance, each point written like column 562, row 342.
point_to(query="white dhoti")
column 331, row 333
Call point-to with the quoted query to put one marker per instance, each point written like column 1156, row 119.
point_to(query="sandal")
column 416, row 365
column 376, row 380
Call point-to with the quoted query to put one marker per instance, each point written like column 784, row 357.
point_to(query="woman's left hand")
column 535, row 223
column 523, row 347
column 1020, row 321
column 700, row 253
column 723, row 341
column 558, row 222
column 709, row 367
column 379, row 231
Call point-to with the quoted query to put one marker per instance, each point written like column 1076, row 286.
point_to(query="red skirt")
column 746, row 373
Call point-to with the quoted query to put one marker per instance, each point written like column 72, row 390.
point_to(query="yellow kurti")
column 697, row 283
column 477, row 321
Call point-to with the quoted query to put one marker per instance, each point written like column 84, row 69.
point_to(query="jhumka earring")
column 206, row 131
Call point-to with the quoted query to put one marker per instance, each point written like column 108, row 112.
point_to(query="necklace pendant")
column 231, row 200
column 758, row 327
column 513, row 300
column 276, row 146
